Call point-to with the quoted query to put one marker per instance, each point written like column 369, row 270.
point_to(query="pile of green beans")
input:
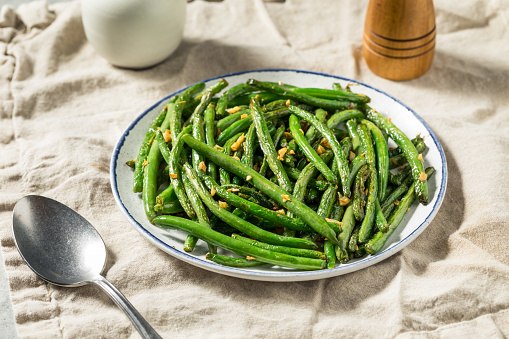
column 277, row 174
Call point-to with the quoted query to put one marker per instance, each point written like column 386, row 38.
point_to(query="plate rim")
column 279, row 276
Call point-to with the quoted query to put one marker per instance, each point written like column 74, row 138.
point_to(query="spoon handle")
column 143, row 327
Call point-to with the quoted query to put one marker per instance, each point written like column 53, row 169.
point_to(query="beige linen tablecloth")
column 63, row 108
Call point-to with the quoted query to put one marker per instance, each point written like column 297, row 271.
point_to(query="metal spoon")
column 65, row 249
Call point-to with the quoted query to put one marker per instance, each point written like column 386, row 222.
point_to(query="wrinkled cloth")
column 63, row 109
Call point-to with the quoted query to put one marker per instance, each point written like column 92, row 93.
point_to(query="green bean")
column 359, row 195
column 149, row 191
column 230, row 94
column 308, row 151
column 169, row 207
column 312, row 134
column 347, row 226
column 369, row 215
column 176, row 116
column 346, row 146
column 411, row 154
column 328, row 248
column 263, row 98
column 166, row 195
column 244, row 124
column 397, row 150
column 224, row 175
column 345, row 115
column 240, row 223
column 355, row 166
column 131, row 163
column 351, row 126
column 378, row 241
column 388, row 211
column 267, row 146
column 230, row 119
column 302, row 211
column 237, row 246
column 382, row 157
column 299, row 252
column 333, row 94
column 205, row 99
column 208, row 118
column 400, row 160
column 259, row 197
column 333, row 142
column 390, row 199
column 304, row 98
column 398, row 178
column 326, row 202
column 175, row 177
column 232, row 262
column 320, row 185
column 201, row 213
column 353, row 242
column 144, row 150
column 380, row 221
column 273, row 216
column 250, row 147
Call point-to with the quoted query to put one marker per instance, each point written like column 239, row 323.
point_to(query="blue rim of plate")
column 273, row 276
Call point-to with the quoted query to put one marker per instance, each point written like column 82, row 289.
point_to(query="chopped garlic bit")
column 237, row 143
column 285, row 197
column 351, row 156
column 145, row 162
column 202, row 166
column 396, row 202
column 248, row 257
column 235, row 190
column 325, row 143
column 212, row 191
column 257, row 96
column 320, row 150
column 333, row 220
column 236, row 158
column 300, row 129
column 223, row 204
column 173, row 176
column 343, row 201
column 243, row 116
column 280, row 83
column 288, row 135
column 291, row 151
column 167, row 135
column 420, row 157
column 249, row 178
column 287, row 103
column 182, row 102
column 217, row 147
column 281, row 211
column 389, row 119
column 233, row 109
column 423, row 176
column 362, row 95
column 281, row 153
column 363, row 155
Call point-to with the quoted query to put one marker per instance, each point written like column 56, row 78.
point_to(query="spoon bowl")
column 63, row 248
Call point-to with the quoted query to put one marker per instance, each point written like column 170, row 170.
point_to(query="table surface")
column 450, row 282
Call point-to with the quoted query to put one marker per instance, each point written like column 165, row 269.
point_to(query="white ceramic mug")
column 134, row 33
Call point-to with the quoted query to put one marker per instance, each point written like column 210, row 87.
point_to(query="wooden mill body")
column 399, row 38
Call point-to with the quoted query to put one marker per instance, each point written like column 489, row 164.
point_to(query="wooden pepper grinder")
column 399, row 38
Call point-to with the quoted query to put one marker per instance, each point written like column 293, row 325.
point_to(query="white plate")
column 416, row 220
